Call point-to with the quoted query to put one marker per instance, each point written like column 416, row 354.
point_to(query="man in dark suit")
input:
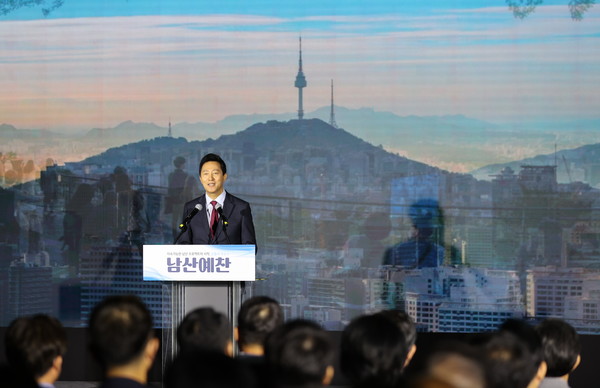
column 122, row 339
column 223, row 218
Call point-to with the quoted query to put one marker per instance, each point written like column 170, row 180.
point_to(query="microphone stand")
column 224, row 224
column 183, row 228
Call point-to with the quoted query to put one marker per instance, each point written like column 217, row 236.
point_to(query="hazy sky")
column 98, row 63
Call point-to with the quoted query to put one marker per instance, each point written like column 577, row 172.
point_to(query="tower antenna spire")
column 300, row 82
column 170, row 132
column 332, row 114
column 300, row 53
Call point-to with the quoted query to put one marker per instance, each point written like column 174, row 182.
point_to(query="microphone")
column 195, row 210
column 221, row 215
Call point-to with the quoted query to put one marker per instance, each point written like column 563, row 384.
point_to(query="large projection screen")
column 441, row 157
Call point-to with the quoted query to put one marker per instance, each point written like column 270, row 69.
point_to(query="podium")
column 198, row 276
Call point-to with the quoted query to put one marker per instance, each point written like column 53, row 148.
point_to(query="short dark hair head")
column 426, row 214
column 120, row 326
column 32, row 343
column 373, row 351
column 405, row 323
column 258, row 317
column 457, row 363
column 527, row 335
column 511, row 361
column 212, row 158
column 561, row 346
column 204, row 329
column 298, row 353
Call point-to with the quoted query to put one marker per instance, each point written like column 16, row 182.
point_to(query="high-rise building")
column 506, row 196
column 548, row 287
column 29, row 290
column 118, row 270
column 479, row 246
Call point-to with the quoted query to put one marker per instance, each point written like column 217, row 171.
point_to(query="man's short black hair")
column 512, row 361
column 527, row 334
column 373, row 351
column 298, row 353
column 456, row 363
column 258, row 317
column 561, row 346
column 405, row 323
column 204, row 329
column 120, row 326
column 212, row 158
column 33, row 342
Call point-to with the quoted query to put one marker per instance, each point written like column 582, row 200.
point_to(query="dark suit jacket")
column 240, row 229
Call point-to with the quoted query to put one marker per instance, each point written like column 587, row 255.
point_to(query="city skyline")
column 316, row 233
column 146, row 61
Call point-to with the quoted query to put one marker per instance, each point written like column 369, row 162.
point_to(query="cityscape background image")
column 441, row 157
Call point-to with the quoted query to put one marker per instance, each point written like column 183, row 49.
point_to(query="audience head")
column 299, row 353
column 457, row 364
column 407, row 326
column 373, row 351
column 121, row 333
column 257, row 317
column 515, row 356
column 194, row 369
column 561, row 346
column 35, row 346
column 205, row 329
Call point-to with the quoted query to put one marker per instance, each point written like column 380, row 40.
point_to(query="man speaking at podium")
column 216, row 217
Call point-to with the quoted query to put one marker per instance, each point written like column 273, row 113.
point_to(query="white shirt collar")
column 220, row 200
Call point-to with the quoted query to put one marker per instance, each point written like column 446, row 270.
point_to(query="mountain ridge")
column 272, row 137
column 452, row 142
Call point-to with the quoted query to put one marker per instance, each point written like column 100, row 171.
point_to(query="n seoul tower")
column 300, row 83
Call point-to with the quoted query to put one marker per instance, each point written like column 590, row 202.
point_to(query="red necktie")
column 214, row 219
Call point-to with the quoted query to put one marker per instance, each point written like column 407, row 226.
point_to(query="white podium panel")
column 199, row 263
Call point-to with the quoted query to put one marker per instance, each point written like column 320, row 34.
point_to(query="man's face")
column 212, row 178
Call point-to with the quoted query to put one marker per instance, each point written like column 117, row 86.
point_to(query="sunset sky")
column 98, row 63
